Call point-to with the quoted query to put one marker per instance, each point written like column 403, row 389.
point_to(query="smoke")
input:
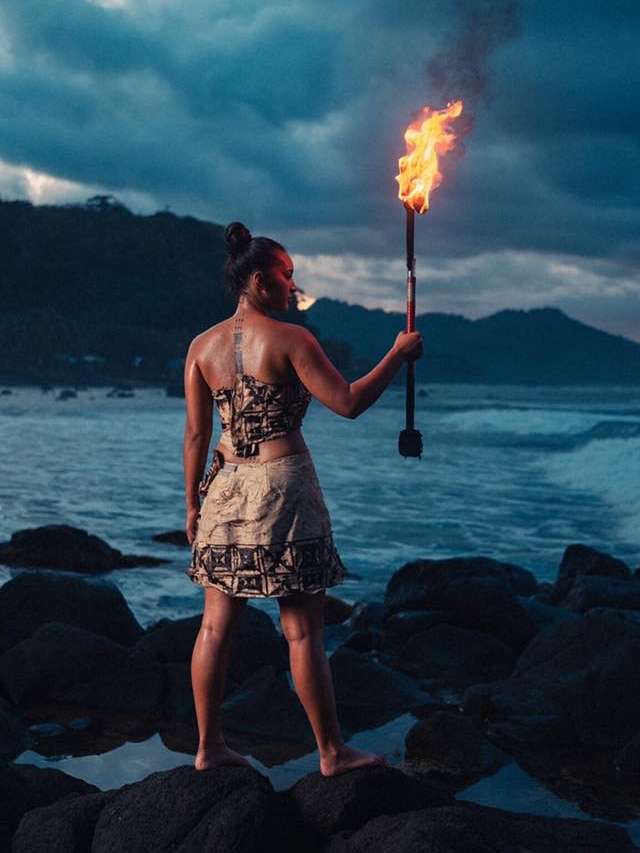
column 461, row 68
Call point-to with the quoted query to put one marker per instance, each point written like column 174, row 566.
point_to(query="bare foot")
column 348, row 759
column 208, row 759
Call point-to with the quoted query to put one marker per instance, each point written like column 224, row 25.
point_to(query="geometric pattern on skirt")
column 264, row 531
column 269, row 570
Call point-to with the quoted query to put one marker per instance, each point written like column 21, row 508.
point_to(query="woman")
column 263, row 528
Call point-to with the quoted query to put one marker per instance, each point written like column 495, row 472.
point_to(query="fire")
column 303, row 300
column 428, row 138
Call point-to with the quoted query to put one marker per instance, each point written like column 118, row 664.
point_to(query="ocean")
column 513, row 473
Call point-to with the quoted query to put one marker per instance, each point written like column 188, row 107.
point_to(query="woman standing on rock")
column 263, row 528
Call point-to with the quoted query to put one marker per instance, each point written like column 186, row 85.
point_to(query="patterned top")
column 253, row 411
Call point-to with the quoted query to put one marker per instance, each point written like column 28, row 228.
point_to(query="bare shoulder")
column 208, row 338
column 293, row 334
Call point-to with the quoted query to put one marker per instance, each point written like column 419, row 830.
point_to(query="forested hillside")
column 96, row 294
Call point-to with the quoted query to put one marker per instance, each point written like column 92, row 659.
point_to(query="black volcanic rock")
column 235, row 810
column 228, row 810
column 23, row 788
column 581, row 561
column 55, row 658
column 32, row 599
column 576, row 686
column 476, row 593
column 66, row 826
column 172, row 537
column 60, row 546
column 349, row 801
column 16, row 798
column 265, row 707
column 14, row 734
column 369, row 693
column 467, row 828
column 256, row 644
column 448, row 746
column 49, row 785
column 449, row 656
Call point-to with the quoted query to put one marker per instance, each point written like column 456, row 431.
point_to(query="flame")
column 428, row 138
column 303, row 300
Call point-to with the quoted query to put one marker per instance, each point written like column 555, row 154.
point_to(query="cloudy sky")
column 290, row 116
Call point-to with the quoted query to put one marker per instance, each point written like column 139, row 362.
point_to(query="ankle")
column 212, row 743
column 332, row 751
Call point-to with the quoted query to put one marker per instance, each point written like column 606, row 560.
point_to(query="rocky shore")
column 495, row 668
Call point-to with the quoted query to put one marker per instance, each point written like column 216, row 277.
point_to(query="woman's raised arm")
column 327, row 384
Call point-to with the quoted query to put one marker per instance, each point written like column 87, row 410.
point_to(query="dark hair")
column 247, row 255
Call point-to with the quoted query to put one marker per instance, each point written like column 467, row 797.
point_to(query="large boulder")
column 48, row 785
column 577, row 685
column 348, row 802
column 627, row 762
column 368, row 693
column 65, row 665
column 448, row 656
column 14, row 734
column 66, row 826
column 228, row 810
column 467, row 828
column 475, row 592
column 447, row 746
column 581, row 561
column 265, row 708
column 401, row 627
column 55, row 659
column 170, row 644
column 30, row 600
column 256, row 644
column 336, row 611
column 16, row 798
column 543, row 615
column 60, row 546
column 367, row 615
column 588, row 592
column 24, row 787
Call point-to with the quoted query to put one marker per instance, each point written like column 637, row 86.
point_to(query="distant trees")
column 98, row 280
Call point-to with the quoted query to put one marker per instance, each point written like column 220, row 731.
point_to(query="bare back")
column 265, row 354
column 264, row 344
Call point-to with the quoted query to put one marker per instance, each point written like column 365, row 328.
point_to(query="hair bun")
column 237, row 237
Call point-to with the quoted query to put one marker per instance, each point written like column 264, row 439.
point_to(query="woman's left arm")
column 197, row 436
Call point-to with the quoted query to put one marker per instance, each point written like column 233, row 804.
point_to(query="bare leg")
column 302, row 619
column 209, row 667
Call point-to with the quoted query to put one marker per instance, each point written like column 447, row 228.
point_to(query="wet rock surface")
column 60, row 546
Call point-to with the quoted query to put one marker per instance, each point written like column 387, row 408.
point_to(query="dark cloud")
column 290, row 116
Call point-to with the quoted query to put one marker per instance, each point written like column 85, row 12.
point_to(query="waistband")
column 232, row 467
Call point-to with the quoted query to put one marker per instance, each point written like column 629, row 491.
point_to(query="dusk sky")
column 290, row 116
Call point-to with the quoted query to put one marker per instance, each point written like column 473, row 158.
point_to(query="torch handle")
column 411, row 315
column 410, row 440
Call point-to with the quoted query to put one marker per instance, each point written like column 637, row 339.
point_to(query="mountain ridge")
column 538, row 345
column 95, row 293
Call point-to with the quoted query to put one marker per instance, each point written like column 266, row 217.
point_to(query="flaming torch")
column 427, row 138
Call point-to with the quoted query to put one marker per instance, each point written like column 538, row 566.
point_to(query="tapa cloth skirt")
column 264, row 530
